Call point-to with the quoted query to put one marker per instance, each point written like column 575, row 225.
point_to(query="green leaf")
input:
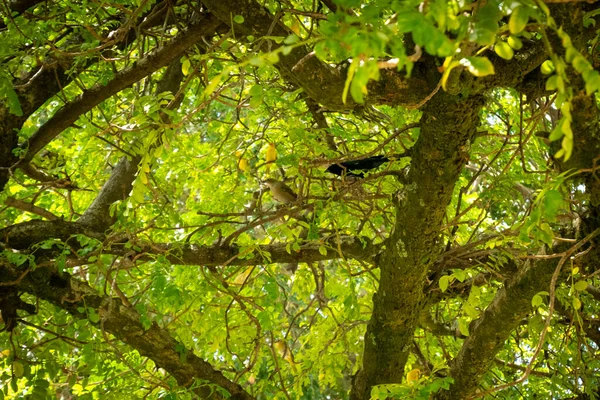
column 238, row 19
column 546, row 234
column 484, row 37
column 478, row 66
column 185, row 67
column 409, row 20
column 490, row 12
column 581, row 64
column 514, row 42
column 463, row 327
column 444, row 282
column 93, row 316
column 581, row 286
column 323, row 250
column 291, row 39
column 350, row 75
column 18, row 369
column 553, row 202
column 552, row 83
column 257, row 61
column 272, row 57
column 592, row 82
column 518, row 19
column 537, row 300
column 256, row 96
column 460, row 275
column 504, row 50
column 138, row 192
column 547, row 67
column 567, row 141
column 8, row 92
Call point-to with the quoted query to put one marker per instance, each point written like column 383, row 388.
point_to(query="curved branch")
column 69, row 113
column 322, row 82
column 124, row 323
column 29, row 207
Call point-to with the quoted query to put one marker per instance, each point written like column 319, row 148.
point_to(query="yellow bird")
column 413, row 376
column 271, row 155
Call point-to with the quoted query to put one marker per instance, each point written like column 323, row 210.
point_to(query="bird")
column 280, row 191
column 345, row 168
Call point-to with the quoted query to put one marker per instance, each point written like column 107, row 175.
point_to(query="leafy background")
column 296, row 327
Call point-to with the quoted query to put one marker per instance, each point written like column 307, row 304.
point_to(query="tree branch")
column 322, row 82
column 70, row 112
column 124, row 323
column 22, row 205
column 24, row 235
column 117, row 187
column 447, row 126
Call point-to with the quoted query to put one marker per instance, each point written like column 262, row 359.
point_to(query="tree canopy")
column 299, row 199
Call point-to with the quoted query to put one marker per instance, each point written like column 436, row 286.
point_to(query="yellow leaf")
column 241, row 278
column 285, row 353
column 295, row 27
column 271, row 153
column 243, row 164
column 185, row 67
column 413, row 375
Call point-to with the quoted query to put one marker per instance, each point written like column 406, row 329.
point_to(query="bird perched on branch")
column 280, row 191
column 346, row 168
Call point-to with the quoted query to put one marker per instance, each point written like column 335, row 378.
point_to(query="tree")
column 143, row 255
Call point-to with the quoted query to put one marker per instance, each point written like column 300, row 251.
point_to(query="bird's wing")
column 288, row 191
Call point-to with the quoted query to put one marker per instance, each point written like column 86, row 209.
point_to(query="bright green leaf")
column 504, row 50
column 478, row 66
column 518, row 19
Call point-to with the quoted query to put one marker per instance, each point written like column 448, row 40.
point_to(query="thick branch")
column 24, row 235
column 117, row 187
column 343, row 247
column 447, row 126
column 44, row 82
column 492, row 329
column 124, row 323
column 68, row 114
column 18, row 7
column 322, row 82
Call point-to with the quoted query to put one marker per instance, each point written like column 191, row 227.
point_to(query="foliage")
column 141, row 248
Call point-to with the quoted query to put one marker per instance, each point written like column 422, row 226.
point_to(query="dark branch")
column 69, row 113
column 124, row 323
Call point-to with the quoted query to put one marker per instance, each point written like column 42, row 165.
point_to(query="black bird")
column 346, row 168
